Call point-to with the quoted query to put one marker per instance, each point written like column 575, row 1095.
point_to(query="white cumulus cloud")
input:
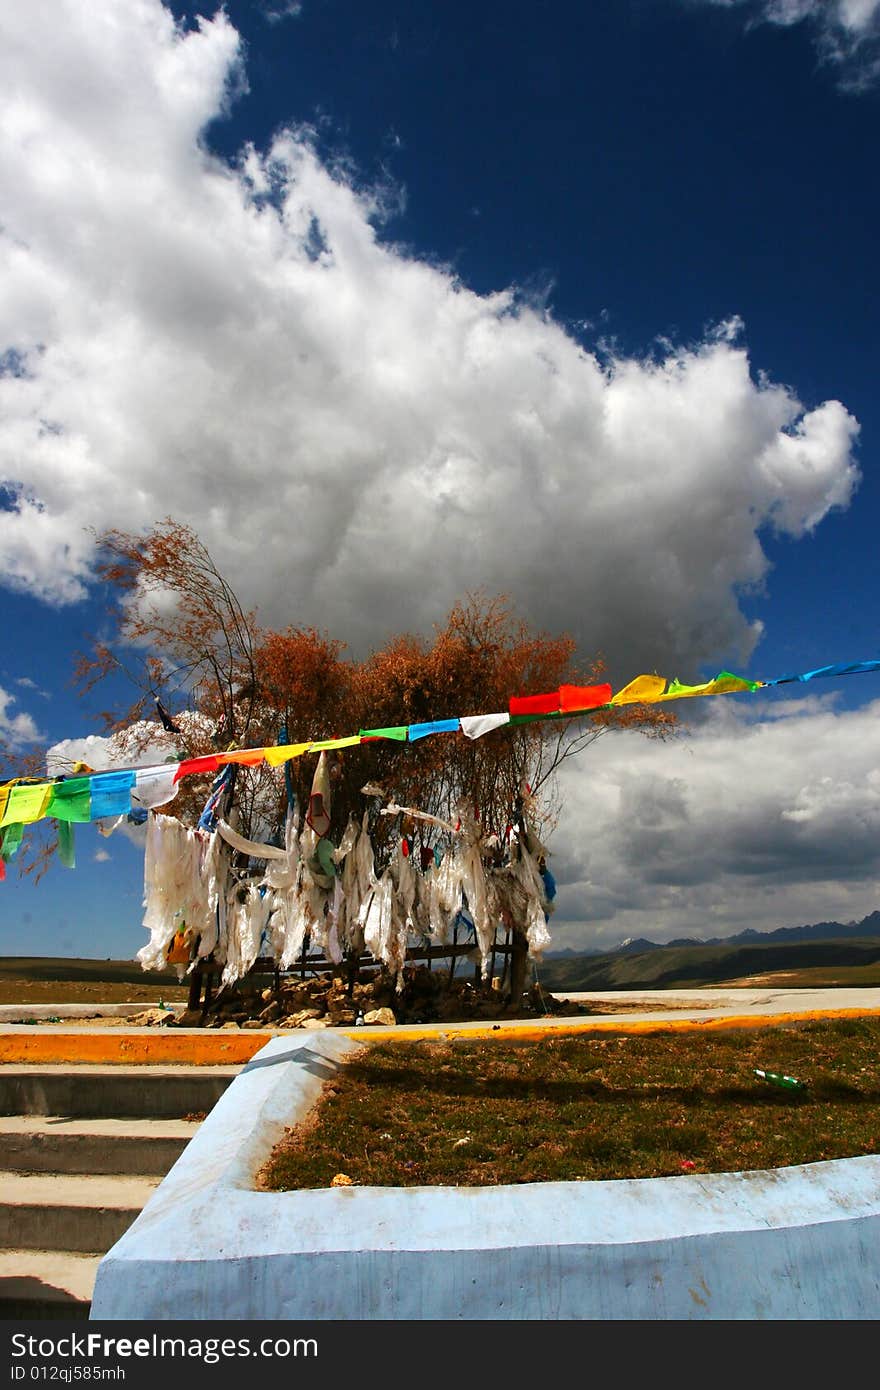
column 356, row 436
column 749, row 819
column 17, row 728
column 847, row 32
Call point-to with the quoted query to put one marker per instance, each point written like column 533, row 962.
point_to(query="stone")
column 253, row 1023
column 190, row 1018
column 341, row 1018
column 303, row 1016
column 152, row 1017
column 384, row 1017
column 294, row 999
column 271, row 1012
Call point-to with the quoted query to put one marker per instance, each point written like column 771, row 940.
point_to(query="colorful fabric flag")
column 435, row 726
column 725, row 683
column 26, row 803
column 839, row 670
column 348, row 742
column 577, row 697
column 190, row 766
column 395, row 731
column 66, row 847
column 318, row 812
column 155, row 786
column 283, row 752
column 222, row 785
column 642, row 690
column 535, row 704
column 12, row 836
column 475, row 725
column 71, row 799
column 111, row 794
column 246, row 757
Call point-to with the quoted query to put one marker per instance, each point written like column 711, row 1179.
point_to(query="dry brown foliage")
column 181, row 635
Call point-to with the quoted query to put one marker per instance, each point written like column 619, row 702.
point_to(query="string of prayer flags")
column 88, row 795
column 841, row 670
column 568, row 699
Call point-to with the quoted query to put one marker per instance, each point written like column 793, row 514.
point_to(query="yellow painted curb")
column 537, row 1032
column 203, row 1049
column 211, row 1047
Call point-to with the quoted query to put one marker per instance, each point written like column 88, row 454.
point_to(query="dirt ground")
column 16, row 991
column 35, row 981
column 144, row 1020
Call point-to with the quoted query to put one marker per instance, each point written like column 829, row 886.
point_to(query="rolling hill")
column 689, row 966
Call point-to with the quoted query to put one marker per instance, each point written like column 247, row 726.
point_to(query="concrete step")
column 58, row 1144
column 76, row 1213
column 46, row 1284
column 112, row 1092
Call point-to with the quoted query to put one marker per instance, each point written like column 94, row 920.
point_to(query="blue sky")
column 392, row 301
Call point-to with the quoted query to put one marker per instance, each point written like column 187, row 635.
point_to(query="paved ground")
column 769, row 1001
column 80, row 1040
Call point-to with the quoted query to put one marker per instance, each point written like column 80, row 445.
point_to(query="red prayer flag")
column 577, row 697
column 535, row 704
column 192, row 765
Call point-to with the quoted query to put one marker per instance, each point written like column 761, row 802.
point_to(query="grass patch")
column 479, row 1113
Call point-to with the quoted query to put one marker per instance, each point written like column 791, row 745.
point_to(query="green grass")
column 593, row 1106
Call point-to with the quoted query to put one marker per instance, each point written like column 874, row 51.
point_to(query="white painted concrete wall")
column 793, row 1243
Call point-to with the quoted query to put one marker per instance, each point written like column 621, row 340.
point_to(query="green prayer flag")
column 12, row 837
column 66, row 848
column 71, row 799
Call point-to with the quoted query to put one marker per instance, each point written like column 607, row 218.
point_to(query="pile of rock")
column 325, row 1001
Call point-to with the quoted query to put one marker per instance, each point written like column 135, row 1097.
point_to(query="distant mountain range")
column 844, row 951
column 818, row 931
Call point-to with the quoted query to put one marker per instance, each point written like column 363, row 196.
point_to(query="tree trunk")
column 519, row 964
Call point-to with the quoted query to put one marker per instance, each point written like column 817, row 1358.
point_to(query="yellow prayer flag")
column 640, row 691
column 283, row 752
column 26, row 803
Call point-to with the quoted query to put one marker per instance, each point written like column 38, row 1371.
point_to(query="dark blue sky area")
column 645, row 168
